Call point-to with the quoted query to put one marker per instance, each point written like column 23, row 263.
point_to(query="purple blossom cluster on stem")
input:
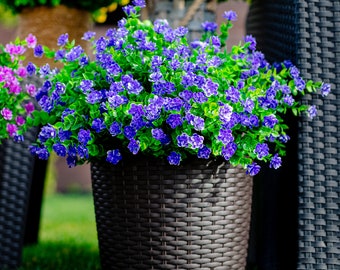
column 16, row 98
column 148, row 91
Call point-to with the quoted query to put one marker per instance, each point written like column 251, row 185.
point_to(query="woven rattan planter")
column 16, row 170
column 151, row 215
column 308, row 33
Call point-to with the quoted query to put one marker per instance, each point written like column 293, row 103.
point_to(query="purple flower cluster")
column 149, row 91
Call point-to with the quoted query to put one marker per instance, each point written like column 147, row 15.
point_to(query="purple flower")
column 42, row 153
column 275, row 162
column 248, row 105
column 113, row 156
column 129, row 132
column 196, row 141
column 252, row 42
column 31, row 41
column 270, row 121
column 183, row 140
column 74, row 53
column 60, row 54
column 209, row 26
column 300, row 84
column 289, row 100
column 233, row 94
column 45, row 70
column 139, row 3
column 174, row 120
column 134, row 146
column 325, row 89
column 181, row 31
column 31, row 68
column 261, row 150
column 6, row 114
column 88, row 35
column 225, row 136
column 131, row 85
column 83, row 152
column 284, row 138
column 115, row 129
column 230, row 15
column 174, row 158
column 86, row 85
column 11, row 129
column 84, row 136
column 38, row 51
column 98, row 124
column 93, row 97
column 312, row 111
column 253, row 120
column 159, row 135
column 46, row 133
column 210, row 88
column 294, row 72
column 64, row 135
column 253, row 169
column 204, row 152
column 71, row 161
column 229, row 150
column 59, row 149
column 62, row 40
column 225, row 113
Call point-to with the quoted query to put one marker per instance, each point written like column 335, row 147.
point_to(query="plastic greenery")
column 149, row 92
column 15, row 98
column 17, row 5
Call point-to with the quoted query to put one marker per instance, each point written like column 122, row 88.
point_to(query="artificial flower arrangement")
column 16, row 98
column 149, row 91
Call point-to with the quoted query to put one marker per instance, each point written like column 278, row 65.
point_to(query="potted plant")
column 171, row 122
column 16, row 104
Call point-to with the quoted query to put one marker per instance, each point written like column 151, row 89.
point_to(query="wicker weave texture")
column 151, row 215
column 16, row 167
column 308, row 32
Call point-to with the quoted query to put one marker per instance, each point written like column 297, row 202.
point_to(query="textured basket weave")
column 308, row 32
column 16, row 168
column 151, row 215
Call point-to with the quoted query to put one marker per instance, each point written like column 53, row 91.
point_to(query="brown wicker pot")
column 48, row 23
column 151, row 215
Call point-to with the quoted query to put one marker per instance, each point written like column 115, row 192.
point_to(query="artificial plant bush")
column 16, row 98
column 17, row 5
column 147, row 91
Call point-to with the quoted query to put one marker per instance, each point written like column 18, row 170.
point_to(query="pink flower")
column 6, row 113
column 15, row 88
column 31, row 41
column 31, row 89
column 22, row 72
column 29, row 107
column 20, row 120
column 14, row 49
column 11, row 129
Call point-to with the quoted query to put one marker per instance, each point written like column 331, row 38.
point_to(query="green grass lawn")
column 68, row 238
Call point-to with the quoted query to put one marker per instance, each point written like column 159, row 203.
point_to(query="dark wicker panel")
column 315, row 49
column 151, row 215
column 16, row 167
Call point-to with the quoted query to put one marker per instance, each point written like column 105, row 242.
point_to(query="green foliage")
column 149, row 91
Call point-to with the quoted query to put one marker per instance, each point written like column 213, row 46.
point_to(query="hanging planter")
column 152, row 215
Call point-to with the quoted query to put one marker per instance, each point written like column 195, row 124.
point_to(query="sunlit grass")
column 68, row 238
